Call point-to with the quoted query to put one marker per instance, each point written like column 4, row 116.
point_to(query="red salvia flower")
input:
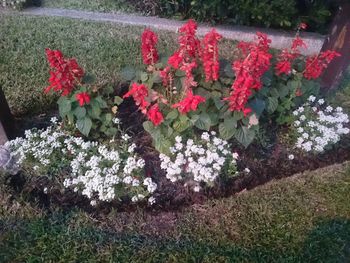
column 189, row 80
column 298, row 42
column 149, row 41
column 65, row 74
column 189, row 103
column 315, row 65
column 210, row 55
column 175, row 60
column 83, row 98
column 249, row 70
column 154, row 115
column 287, row 56
column 189, row 43
column 139, row 92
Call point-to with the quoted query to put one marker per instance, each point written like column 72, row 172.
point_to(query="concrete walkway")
column 280, row 39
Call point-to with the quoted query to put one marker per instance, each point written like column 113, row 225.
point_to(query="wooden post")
column 6, row 120
column 338, row 40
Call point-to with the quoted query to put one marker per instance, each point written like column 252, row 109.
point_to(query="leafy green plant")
column 81, row 105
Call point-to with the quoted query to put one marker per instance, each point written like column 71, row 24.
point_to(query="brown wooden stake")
column 6, row 119
column 338, row 40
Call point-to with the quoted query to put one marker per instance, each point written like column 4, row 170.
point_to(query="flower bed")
column 190, row 126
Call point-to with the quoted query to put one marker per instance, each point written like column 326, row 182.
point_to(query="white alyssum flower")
column 319, row 126
column 96, row 170
column 291, row 157
column 199, row 160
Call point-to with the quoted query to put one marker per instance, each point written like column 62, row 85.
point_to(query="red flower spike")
column 189, row 43
column 249, row 70
column 149, row 41
column 154, row 115
column 175, row 60
column 210, row 55
column 315, row 65
column 65, row 74
column 139, row 92
column 298, row 42
column 83, row 98
column 189, row 103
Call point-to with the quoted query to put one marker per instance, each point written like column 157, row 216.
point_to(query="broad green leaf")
column 162, row 145
column 80, row 112
column 245, row 136
column 238, row 115
column 272, row 104
column 144, row 76
column 257, row 105
column 110, row 132
column 95, row 111
column 84, row 125
column 101, row 102
column 148, row 126
column 172, row 115
column 227, row 128
column 64, row 106
column 203, row 122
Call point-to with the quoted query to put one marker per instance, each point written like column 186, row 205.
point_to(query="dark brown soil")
column 265, row 165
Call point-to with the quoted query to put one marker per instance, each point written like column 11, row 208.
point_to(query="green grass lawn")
column 91, row 5
column 304, row 218
column 101, row 48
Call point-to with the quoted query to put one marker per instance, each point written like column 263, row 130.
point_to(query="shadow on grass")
column 60, row 239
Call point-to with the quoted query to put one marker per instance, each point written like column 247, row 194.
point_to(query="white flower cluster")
column 201, row 161
column 318, row 126
column 95, row 169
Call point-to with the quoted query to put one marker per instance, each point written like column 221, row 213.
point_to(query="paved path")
column 280, row 39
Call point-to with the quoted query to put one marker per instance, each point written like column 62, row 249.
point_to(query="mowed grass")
column 91, row 5
column 101, row 48
column 304, row 218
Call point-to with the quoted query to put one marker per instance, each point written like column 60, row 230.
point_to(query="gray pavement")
column 280, row 39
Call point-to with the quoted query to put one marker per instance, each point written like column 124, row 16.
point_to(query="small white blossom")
column 291, row 157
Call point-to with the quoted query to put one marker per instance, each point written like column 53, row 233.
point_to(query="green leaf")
column 108, row 118
column 128, row 73
column 272, row 104
column 172, row 115
column 144, row 76
column 162, row 145
column 203, row 122
column 244, row 135
column 84, row 125
column 101, row 102
column 110, row 132
column 95, row 111
column 118, row 100
column 80, row 112
column 64, row 106
column 238, row 115
column 227, row 128
column 148, row 126
column 258, row 106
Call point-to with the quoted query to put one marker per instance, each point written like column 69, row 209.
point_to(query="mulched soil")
column 265, row 164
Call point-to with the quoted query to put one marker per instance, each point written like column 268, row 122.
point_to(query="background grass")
column 305, row 218
column 91, row 5
column 101, row 48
